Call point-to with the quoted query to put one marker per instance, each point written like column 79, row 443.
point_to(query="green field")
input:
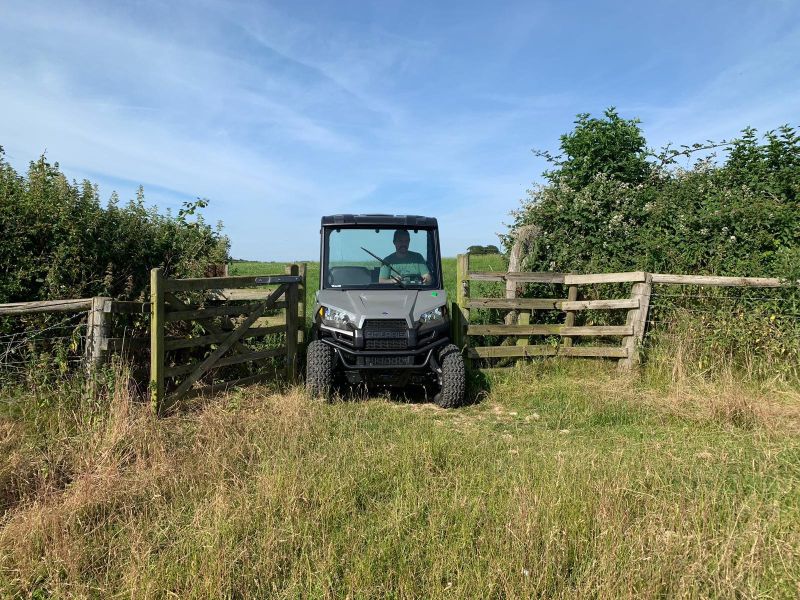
column 564, row 480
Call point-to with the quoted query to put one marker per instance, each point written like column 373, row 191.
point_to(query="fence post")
column 637, row 318
column 524, row 318
column 291, row 325
column 156, row 340
column 97, row 333
column 524, row 236
column 301, row 307
column 461, row 315
column 521, row 316
column 569, row 320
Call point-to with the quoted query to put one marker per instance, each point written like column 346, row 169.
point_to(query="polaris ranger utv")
column 380, row 317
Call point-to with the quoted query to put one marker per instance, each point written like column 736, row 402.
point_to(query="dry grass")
column 567, row 480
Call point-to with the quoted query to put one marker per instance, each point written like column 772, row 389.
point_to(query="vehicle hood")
column 382, row 304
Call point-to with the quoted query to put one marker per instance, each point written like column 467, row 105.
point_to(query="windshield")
column 380, row 258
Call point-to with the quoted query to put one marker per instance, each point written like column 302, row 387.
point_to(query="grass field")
column 561, row 479
column 564, row 480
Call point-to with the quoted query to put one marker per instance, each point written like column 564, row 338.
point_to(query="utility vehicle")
column 380, row 316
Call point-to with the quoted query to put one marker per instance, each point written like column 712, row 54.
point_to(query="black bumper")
column 344, row 353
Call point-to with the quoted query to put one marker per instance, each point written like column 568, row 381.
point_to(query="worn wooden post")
column 523, row 238
column 462, row 297
column 569, row 320
column 291, row 325
column 96, row 333
column 301, row 306
column 637, row 318
column 523, row 318
column 156, row 340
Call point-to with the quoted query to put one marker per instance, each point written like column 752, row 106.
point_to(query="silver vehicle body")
column 382, row 304
column 382, row 339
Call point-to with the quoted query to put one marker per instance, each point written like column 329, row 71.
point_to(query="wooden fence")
column 563, row 336
column 215, row 304
column 227, row 311
column 224, row 312
column 103, row 334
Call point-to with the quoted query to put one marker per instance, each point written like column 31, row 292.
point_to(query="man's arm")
column 425, row 274
column 385, row 274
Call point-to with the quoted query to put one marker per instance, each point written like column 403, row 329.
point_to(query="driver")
column 408, row 264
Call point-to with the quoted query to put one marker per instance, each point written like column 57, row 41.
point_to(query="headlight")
column 334, row 318
column 433, row 316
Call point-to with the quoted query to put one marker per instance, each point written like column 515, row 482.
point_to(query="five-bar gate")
column 212, row 325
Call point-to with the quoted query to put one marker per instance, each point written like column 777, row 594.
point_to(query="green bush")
column 609, row 205
column 60, row 241
column 740, row 217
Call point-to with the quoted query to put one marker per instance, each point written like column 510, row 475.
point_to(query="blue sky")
column 280, row 112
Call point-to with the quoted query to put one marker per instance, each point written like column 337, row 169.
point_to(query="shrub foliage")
column 609, row 205
column 605, row 208
column 60, row 241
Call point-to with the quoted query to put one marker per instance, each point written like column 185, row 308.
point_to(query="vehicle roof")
column 388, row 220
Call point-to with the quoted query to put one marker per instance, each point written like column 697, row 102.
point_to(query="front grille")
column 385, row 334
column 386, row 344
column 383, row 327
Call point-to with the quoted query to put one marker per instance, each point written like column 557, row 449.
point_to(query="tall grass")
column 566, row 480
column 712, row 341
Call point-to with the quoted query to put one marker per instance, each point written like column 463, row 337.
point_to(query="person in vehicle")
column 408, row 264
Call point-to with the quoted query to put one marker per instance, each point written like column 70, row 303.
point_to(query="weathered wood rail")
column 560, row 339
column 99, row 331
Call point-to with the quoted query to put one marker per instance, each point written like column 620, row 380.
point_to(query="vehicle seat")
column 349, row 276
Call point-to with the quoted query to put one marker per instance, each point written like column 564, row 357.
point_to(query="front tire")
column 453, row 378
column 319, row 370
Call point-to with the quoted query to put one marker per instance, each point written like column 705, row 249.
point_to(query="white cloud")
column 280, row 119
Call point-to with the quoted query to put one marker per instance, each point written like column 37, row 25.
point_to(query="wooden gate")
column 224, row 313
column 522, row 338
column 561, row 336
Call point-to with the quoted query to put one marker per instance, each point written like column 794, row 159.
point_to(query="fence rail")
column 564, row 336
column 45, row 306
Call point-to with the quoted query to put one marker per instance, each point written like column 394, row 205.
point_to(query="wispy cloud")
column 281, row 113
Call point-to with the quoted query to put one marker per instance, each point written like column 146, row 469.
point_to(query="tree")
column 612, row 146
column 59, row 241
column 490, row 249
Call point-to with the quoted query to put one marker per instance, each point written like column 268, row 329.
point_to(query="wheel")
column 453, row 378
column 319, row 369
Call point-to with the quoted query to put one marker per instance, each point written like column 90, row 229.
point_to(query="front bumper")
column 357, row 359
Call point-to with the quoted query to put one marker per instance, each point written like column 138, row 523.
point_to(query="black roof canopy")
column 411, row 221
